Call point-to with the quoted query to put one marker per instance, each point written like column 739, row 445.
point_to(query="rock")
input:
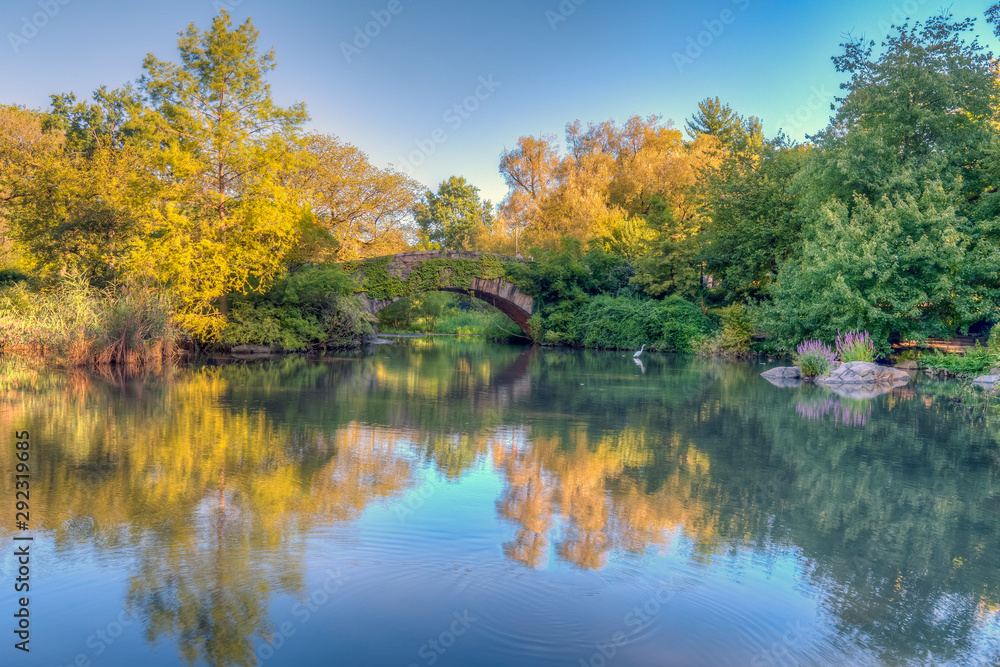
column 864, row 373
column 784, row 383
column 860, row 391
column 783, row 376
column 989, row 381
column 908, row 365
column 781, row 373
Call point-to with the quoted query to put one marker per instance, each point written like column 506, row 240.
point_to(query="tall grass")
column 75, row 324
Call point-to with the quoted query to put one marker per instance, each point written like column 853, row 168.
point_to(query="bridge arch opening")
column 385, row 280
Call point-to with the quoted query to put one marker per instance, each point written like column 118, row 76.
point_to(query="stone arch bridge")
column 385, row 280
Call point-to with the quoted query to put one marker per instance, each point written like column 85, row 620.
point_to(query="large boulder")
column 989, row 381
column 783, row 376
column 864, row 373
column 781, row 373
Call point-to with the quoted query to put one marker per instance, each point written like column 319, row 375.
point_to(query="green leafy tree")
column 920, row 110
column 891, row 268
column 754, row 222
column 454, row 217
column 893, row 242
column 672, row 265
column 226, row 218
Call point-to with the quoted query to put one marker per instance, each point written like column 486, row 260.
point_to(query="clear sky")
column 513, row 67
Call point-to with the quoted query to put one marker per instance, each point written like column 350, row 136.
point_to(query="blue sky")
column 512, row 67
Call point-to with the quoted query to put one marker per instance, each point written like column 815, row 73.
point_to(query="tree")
column 25, row 149
column 455, row 217
column 671, row 266
column 719, row 120
column 919, row 111
column 754, row 225
column 603, row 188
column 892, row 268
column 894, row 240
column 221, row 148
column 530, row 173
column 368, row 210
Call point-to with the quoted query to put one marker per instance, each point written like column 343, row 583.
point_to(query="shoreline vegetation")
column 126, row 237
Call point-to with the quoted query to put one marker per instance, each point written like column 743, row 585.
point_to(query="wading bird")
column 636, row 355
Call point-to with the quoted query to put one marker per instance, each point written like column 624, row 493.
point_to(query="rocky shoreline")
column 860, row 379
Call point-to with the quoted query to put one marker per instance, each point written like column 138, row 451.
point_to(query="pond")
column 458, row 502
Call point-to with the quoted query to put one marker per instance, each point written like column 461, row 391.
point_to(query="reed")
column 76, row 325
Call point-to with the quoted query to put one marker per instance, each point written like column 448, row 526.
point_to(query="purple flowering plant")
column 855, row 346
column 814, row 358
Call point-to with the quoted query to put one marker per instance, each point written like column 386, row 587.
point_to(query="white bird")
column 636, row 355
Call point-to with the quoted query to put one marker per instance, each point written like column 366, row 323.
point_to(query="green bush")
column 976, row 361
column 889, row 266
column 629, row 322
column 734, row 339
column 310, row 309
column 562, row 282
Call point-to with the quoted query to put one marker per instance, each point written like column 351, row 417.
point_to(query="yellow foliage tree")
column 368, row 210
column 225, row 217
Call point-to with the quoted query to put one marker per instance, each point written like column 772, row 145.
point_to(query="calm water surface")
column 462, row 503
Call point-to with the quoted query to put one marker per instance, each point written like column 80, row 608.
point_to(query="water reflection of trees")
column 202, row 472
column 211, row 501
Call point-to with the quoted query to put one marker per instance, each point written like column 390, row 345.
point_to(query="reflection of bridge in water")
column 499, row 390
column 497, row 292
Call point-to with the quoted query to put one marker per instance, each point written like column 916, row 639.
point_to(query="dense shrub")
column 310, row 309
column 735, row 337
column 627, row 322
column 562, row 283
column 976, row 361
